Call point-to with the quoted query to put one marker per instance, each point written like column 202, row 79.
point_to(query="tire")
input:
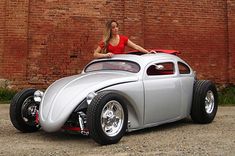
column 103, row 106
column 24, row 111
column 205, row 102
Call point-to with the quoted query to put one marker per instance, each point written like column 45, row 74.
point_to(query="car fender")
column 63, row 96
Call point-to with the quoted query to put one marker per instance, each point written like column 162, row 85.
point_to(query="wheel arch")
column 134, row 118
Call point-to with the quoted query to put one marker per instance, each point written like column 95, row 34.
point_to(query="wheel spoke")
column 104, row 116
column 115, row 124
column 112, row 106
column 108, row 129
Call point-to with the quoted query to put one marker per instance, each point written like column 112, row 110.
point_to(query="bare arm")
column 98, row 54
column 136, row 47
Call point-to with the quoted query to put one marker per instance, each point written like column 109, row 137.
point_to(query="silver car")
column 114, row 95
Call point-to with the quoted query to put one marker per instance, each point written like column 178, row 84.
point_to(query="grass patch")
column 6, row 95
column 227, row 96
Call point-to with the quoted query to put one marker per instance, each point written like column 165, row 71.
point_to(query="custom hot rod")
column 114, row 95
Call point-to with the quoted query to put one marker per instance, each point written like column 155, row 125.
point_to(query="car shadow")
column 65, row 136
column 167, row 126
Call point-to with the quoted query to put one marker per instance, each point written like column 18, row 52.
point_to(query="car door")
column 186, row 76
column 162, row 92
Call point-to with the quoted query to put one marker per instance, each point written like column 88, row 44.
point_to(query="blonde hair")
column 107, row 34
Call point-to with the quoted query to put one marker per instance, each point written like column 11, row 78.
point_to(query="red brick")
column 41, row 41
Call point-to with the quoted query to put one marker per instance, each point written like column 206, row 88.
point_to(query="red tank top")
column 117, row 49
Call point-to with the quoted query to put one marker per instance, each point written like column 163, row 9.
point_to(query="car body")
column 123, row 93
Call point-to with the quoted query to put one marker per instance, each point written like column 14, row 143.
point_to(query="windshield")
column 113, row 65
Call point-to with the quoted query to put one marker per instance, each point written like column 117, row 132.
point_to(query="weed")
column 6, row 95
column 227, row 96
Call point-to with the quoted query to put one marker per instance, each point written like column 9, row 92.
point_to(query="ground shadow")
column 167, row 126
column 65, row 135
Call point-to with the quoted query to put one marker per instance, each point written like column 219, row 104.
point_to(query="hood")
column 63, row 96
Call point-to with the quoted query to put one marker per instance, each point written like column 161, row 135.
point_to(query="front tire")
column 24, row 111
column 107, row 118
column 205, row 102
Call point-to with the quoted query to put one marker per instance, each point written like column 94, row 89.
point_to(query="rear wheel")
column 24, row 111
column 205, row 102
column 107, row 118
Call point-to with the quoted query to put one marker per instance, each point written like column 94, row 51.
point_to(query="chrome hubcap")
column 209, row 102
column 112, row 118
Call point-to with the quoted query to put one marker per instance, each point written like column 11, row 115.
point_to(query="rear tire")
column 23, row 111
column 205, row 102
column 107, row 118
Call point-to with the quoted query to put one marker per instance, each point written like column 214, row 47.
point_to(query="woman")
column 113, row 43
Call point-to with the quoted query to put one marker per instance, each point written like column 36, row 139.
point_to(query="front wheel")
column 205, row 102
column 24, row 111
column 107, row 118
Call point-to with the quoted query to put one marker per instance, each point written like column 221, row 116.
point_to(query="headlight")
column 38, row 96
column 90, row 97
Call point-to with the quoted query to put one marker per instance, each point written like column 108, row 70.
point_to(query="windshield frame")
column 120, row 61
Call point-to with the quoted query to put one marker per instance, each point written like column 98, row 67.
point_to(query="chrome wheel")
column 29, row 111
column 209, row 102
column 24, row 111
column 107, row 117
column 112, row 118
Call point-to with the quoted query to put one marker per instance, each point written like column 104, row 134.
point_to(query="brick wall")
column 14, row 44
column 63, row 35
column 2, row 29
column 43, row 40
column 231, row 39
column 196, row 28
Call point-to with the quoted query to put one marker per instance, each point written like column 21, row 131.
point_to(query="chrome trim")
column 38, row 96
column 90, row 97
